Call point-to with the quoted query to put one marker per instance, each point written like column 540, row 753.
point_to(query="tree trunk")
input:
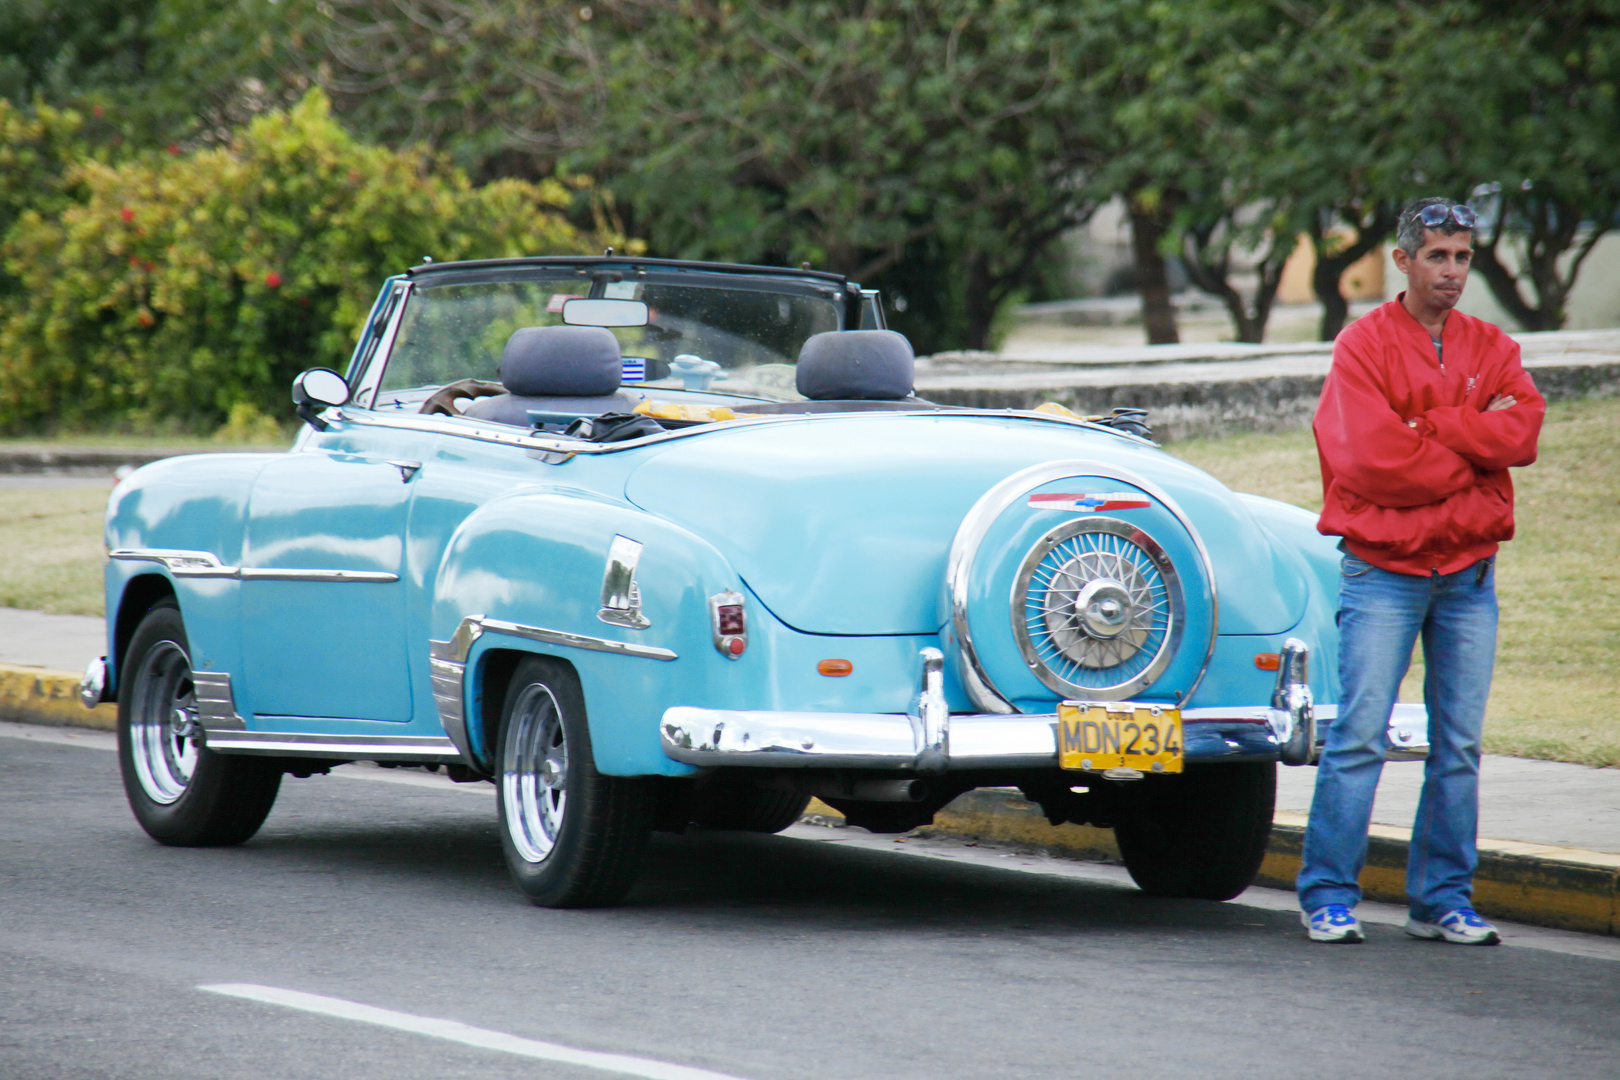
column 979, row 301
column 1152, row 276
column 1332, row 262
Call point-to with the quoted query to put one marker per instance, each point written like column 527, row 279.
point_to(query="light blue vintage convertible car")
column 653, row 544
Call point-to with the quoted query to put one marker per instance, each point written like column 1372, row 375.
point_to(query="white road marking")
column 466, row 1034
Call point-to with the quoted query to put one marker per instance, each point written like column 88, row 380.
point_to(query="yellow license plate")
column 1096, row 736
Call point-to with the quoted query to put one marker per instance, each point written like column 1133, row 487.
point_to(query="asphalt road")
column 369, row 931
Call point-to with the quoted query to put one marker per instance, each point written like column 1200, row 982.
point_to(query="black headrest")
column 861, row 365
column 572, row 361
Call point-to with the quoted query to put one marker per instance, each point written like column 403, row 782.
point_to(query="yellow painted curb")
column 1566, row 888
column 40, row 696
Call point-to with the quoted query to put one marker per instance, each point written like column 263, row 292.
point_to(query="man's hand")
column 1501, row 401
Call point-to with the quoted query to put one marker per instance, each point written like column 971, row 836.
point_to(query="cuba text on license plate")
column 1094, row 736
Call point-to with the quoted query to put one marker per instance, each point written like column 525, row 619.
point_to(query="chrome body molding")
column 345, row 747
column 932, row 716
column 205, row 564
column 976, row 524
column 621, row 596
column 556, row 449
column 447, row 663
column 179, row 563
column 447, row 671
column 1293, row 716
column 216, row 702
column 267, row 573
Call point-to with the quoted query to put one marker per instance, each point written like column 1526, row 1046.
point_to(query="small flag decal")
column 635, row 370
column 1086, row 504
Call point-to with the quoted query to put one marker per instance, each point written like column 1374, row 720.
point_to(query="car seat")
column 856, row 365
column 559, row 369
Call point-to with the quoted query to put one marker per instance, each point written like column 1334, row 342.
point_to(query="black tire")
column 1201, row 835
column 182, row 793
column 572, row 837
column 742, row 806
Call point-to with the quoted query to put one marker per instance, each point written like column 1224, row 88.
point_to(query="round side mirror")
column 319, row 388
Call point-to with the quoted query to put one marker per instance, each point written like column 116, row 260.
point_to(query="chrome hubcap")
column 1097, row 609
column 165, row 737
column 534, row 776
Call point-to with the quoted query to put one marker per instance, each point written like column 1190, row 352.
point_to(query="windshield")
column 752, row 332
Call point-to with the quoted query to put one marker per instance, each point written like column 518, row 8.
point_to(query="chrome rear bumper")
column 929, row 740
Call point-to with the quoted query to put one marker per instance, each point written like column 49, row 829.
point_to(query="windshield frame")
column 846, row 297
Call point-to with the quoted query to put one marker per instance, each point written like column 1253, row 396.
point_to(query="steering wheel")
column 443, row 400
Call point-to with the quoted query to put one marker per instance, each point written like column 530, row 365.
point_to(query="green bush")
column 171, row 288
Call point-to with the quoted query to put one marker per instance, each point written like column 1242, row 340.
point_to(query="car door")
column 323, row 606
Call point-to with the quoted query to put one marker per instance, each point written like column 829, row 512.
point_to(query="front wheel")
column 182, row 793
column 1203, row 834
column 572, row 837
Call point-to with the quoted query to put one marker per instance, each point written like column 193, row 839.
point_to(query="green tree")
column 172, row 288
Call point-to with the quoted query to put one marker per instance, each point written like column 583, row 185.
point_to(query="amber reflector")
column 1268, row 661
column 835, row 667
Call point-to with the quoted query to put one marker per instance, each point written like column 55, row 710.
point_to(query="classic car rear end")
column 530, row 539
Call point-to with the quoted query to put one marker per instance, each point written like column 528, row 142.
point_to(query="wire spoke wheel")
column 1097, row 609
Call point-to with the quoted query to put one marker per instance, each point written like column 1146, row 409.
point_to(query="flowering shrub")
column 170, row 288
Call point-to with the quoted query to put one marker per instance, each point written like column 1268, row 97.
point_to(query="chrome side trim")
column 459, row 647
column 1293, row 719
column 448, row 677
column 562, row 445
column 621, row 596
column 179, row 563
column 205, row 564
column 267, row 573
column 347, row 747
column 216, row 702
column 577, row 641
column 976, row 524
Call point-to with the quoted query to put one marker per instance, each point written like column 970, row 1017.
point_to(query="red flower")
column 174, row 149
column 128, row 214
column 98, row 112
column 145, row 318
column 272, row 280
column 133, row 261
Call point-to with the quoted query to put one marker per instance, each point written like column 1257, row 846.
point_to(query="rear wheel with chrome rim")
column 182, row 793
column 572, row 836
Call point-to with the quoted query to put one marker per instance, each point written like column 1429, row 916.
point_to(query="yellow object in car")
column 672, row 410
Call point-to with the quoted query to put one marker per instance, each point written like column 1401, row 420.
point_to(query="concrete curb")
column 39, row 696
column 1566, row 888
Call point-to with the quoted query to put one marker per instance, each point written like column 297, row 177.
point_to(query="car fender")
column 537, row 591
column 195, row 504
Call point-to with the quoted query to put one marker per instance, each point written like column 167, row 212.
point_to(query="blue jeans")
column 1381, row 615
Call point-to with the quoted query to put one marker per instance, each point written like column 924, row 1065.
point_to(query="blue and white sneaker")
column 1461, row 927
column 1333, row 924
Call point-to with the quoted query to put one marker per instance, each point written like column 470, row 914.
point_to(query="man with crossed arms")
column 1423, row 413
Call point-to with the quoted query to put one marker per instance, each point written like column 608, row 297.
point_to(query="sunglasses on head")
column 1435, row 215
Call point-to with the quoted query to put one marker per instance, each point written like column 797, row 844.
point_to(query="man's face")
column 1436, row 274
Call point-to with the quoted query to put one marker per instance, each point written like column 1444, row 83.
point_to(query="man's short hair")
column 1409, row 230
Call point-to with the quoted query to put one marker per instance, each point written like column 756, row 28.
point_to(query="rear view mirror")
column 582, row 312
column 316, row 389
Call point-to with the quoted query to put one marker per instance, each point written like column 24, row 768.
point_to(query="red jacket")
column 1434, row 497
